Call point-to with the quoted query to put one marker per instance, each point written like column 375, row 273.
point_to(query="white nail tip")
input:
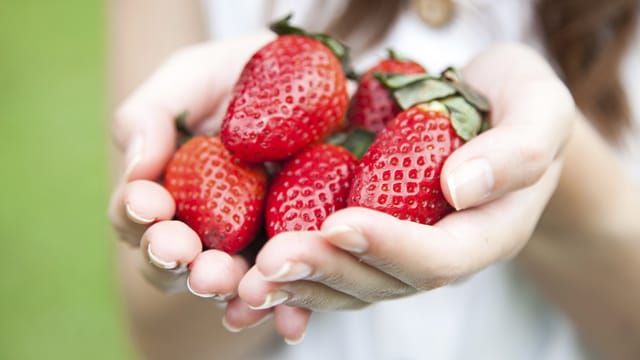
column 294, row 341
column 229, row 327
column 166, row 265
column 135, row 217
column 338, row 229
column 290, row 272
column 273, row 299
column 201, row 295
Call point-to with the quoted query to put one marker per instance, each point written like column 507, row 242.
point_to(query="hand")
column 196, row 80
column 500, row 182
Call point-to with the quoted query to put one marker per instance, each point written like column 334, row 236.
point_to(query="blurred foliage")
column 58, row 297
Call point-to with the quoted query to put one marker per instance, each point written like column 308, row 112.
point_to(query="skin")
column 523, row 189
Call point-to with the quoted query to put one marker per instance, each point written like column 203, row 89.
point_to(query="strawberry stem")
column 339, row 49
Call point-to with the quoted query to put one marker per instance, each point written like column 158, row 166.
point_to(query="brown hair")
column 586, row 39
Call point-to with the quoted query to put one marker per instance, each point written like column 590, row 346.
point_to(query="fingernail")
column 290, row 271
column 230, row 328
column 470, row 183
column 133, row 156
column 137, row 218
column 294, row 341
column 346, row 238
column 214, row 296
column 273, row 299
column 162, row 264
column 261, row 321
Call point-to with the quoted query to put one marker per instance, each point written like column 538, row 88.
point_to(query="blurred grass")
column 58, row 298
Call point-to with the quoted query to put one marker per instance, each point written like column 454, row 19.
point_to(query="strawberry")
column 219, row 196
column 290, row 94
column 310, row 186
column 372, row 106
column 400, row 172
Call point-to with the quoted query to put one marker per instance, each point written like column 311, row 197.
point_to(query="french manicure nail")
column 294, row 341
column 162, row 264
column 230, row 328
column 470, row 183
column 273, row 299
column 133, row 156
column 290, row 271
column 137, row 218
column 214, row 296
column 346, row 238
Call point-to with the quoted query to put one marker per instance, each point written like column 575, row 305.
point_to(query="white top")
column 495, row 314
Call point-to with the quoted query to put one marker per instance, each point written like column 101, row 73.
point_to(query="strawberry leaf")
column 339, row 49
column 465, row 119
column 358, row 141
column 394, row 81
column 452, row 75
column 423, row 91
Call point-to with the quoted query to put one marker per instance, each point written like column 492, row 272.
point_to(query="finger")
column 146, row 202
column 136, row 205
column 292, row 256
column 167, row 248
column 460, row 244
column 215, row 274
column 260, row 294
column 291, row 323
column 239, row 316
column 194, row 81
column 532, row 113
column 125, row 229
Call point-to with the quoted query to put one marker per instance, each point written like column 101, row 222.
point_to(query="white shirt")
column 495, row 314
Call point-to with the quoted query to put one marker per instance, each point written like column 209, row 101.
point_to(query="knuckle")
column 430, row 283
column 122, row 122
column 534, row 159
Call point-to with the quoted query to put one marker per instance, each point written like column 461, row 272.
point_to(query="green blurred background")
column 59, row 297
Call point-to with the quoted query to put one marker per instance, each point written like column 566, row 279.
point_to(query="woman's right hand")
column 196, row 80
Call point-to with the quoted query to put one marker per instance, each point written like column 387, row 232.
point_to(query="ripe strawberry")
column 219, row 196
column 372, row 106
column 290, row 94
column 311, row 185
column 400, row 172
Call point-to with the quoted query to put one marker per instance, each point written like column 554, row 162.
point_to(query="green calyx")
column 356, row 141
column 184, row 134
column 467, row 108
column 339, row 49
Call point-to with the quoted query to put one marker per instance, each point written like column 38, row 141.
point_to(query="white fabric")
column 495, row 314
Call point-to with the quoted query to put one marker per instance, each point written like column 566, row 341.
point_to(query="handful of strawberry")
column 289, row 99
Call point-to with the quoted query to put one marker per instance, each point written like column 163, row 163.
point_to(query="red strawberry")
column 311, row 185
column 219, row 196
column 290, row 94
column 400, row 172
column 372, row 105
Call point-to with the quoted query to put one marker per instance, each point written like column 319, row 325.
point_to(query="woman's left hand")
column 500, row 183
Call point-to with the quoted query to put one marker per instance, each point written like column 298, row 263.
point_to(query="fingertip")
column 171, row 243
column 239, row 316
column 213, row 275
column 469, row 183
column 291, row 323
column 253, row 289
column 147, row 202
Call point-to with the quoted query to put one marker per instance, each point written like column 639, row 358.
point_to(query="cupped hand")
column 195, row 81
column 499, row 181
